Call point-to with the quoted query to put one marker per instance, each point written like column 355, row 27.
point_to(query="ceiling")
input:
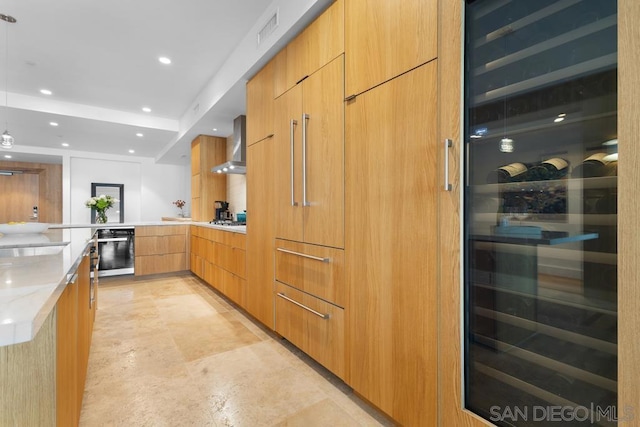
column 100, row 61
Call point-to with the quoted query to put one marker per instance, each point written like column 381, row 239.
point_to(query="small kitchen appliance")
column 222, row 210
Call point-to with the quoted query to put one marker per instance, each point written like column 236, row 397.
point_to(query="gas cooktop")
column 227, row 222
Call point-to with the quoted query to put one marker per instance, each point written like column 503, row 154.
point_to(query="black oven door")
column 116, row 251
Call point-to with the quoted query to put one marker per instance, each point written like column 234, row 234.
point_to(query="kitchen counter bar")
column 30, row 284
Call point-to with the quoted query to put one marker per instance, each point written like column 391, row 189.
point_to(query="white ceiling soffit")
column 100, row 60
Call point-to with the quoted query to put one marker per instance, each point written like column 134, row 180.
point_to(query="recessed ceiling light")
column 164, row 60
column 132, row 151
column 215, row 129
column 7, row 156
column 65, row 144
column 139, row 135
column 53, row 123
column 146, row 109
column 558, row 119
column 45, row 92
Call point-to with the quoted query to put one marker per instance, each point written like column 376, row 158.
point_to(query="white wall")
column 149, row 188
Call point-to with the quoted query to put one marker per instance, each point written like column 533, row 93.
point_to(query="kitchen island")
column 34, row 270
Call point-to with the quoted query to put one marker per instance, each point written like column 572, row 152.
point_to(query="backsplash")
column 236, row 185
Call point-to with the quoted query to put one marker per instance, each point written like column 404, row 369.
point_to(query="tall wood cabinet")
column 392, row 245
column 384, row 39
column 261, row 215
column 310, row 154
column 206, row 187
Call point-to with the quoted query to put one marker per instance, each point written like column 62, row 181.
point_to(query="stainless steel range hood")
column 238, row 163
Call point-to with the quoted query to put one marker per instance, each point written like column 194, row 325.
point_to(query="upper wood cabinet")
column 319, row 43
column 260, row 98
column 384, row 39
column 207, row 187
column 392, row 266
column 310, row 158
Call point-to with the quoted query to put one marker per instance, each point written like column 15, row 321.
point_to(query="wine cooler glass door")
column 540, row 211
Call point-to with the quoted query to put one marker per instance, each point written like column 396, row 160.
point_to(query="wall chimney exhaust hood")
column 238, row 163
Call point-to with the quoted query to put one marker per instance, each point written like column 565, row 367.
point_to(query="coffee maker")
column 222, row 210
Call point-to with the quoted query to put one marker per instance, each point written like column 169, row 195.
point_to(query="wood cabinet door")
column 323, row 109
column 392, row 186
column 260, row 231
column 288, row 155
column 384, row 39
column 67, row 357
column 260, row 97
column 319, row 43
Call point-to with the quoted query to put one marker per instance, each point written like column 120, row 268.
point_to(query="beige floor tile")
column 170, row 351
column 323, row 413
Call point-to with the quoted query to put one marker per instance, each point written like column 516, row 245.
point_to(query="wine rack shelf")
column 572, row 184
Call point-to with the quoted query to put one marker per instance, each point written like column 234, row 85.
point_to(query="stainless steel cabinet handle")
column 317, row 258
column 447, row 144
column 292, row 125
column 305, row 202
column 113, row 239
column 283, row 296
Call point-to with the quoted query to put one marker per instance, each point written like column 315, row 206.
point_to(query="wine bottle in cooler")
column 592, row 166
column 554, row 168
column 512, row 172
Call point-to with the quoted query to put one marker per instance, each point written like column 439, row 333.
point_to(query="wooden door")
column 323, row 105
column 287, row 128
column 384, row 39
column 391, row 246
column 20, row 193
column 261, row 216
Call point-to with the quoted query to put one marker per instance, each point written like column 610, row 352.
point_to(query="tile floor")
column 169, row 351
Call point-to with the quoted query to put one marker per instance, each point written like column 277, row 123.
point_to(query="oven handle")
column 113, row 239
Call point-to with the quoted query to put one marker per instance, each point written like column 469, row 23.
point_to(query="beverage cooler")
column 540, row 211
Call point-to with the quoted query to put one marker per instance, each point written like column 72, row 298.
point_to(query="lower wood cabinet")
column 160, row 249
column 219, row 258
column 313, row 325
column 74, row 326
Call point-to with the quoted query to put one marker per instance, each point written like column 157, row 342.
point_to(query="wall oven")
column 116, row 251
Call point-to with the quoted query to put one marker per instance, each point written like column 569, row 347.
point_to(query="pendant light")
column 7, row 139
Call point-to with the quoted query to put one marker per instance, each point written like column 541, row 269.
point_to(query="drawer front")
column 234, row 288
column 317, row 270
column 239, row 263
column 239, row 240
column 319, row 334
column 154, row 264
column 161, row 230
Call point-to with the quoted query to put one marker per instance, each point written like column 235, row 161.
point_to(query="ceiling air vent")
column 268, row 28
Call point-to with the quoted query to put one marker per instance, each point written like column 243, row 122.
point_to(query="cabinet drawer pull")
column 317, row 258
column 292, row 125
column 283, row 296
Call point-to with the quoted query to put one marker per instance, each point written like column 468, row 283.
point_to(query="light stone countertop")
column 232, row 228
column 30, row 285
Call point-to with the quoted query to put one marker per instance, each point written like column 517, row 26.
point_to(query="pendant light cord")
column 6, row 77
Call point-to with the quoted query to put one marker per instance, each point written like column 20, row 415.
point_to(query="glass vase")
column 101, row 217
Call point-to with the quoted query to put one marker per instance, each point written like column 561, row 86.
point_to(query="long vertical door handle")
column 292, row 125
column 305, row 117
column 447, row 144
